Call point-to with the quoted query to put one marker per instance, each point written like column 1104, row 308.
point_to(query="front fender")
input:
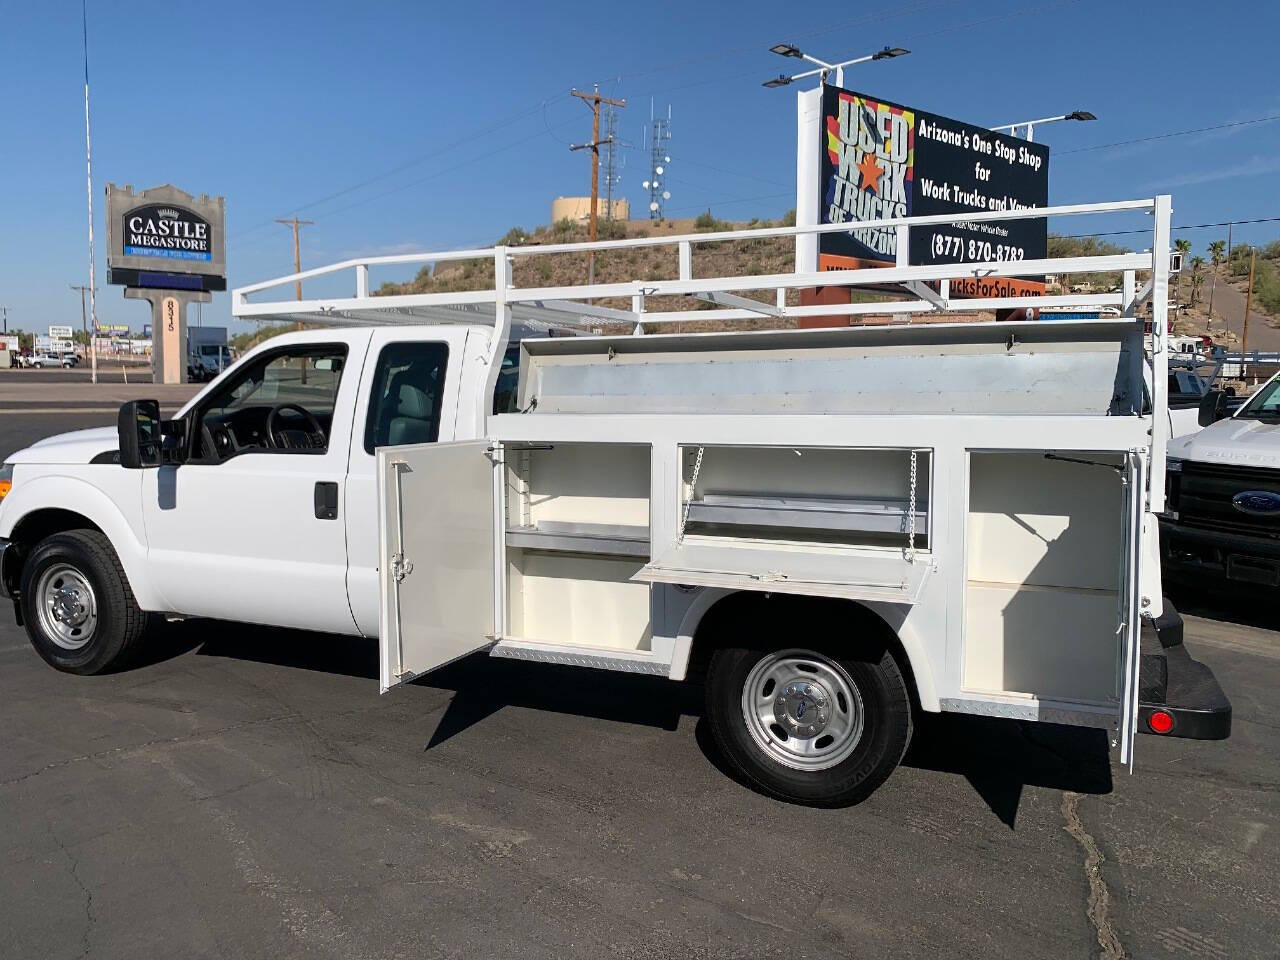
column 78, row 496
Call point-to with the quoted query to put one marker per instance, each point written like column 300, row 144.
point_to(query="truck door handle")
column 326, row 500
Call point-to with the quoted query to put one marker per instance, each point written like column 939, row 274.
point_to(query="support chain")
column 911, row 513
column 693, row 486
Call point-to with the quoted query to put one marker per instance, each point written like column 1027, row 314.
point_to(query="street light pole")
column 824, row 68
column 88, row 163
column 1031, row 124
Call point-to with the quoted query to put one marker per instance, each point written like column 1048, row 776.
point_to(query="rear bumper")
column 1176, row 686
column 1190, row 552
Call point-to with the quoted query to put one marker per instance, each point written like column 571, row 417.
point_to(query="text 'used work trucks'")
column 831, row 528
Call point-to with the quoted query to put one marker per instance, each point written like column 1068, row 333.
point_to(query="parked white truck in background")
column 1222, row 522
column 833, row 527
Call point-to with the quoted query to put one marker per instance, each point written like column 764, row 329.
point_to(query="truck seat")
column 412, row 420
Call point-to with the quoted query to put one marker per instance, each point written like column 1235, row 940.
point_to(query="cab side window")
column 408, row 384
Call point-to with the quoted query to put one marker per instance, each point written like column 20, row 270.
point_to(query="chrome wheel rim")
column 802, row 709
column 68, row 608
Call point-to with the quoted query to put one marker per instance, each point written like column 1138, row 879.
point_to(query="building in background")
column 578, row 209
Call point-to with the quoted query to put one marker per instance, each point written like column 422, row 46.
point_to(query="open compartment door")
column 440, row 512
column 1130, row 623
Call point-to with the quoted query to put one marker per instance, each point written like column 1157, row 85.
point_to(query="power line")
column 440, row 173
column 1166, row 136
column 1175, row 229
column 464, row 140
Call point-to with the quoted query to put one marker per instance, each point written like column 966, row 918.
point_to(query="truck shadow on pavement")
column 999, row 758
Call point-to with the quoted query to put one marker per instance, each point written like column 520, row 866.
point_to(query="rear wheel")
column 77, row 605
column 817, row 726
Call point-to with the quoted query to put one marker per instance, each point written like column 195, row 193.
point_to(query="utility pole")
column 84, row 319
column 1248, row 305
column 594, row 100
column 4, row 312
column 295, row 223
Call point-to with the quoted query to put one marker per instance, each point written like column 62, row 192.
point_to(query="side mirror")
column 1213, row 407
column 138, row 427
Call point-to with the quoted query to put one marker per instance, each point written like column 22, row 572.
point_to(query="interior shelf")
column 617, row 540
column 860, row 514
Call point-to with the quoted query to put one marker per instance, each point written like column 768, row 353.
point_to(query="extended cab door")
column 409, row 393
column 441, row 554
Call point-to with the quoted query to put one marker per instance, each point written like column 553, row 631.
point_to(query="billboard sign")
column 164, row 238
column 881, row 160
column 59, row 332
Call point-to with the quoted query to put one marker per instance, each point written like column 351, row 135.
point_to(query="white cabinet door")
column 439, row 512
column 1130, row 626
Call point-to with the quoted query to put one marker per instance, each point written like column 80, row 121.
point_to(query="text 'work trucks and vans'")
column 831, row 528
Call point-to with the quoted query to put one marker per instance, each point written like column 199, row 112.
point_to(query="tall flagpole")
column 88, row 162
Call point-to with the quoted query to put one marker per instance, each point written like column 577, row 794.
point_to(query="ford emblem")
column 1257, row 503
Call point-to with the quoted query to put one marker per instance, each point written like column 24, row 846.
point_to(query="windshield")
column 1265, row 404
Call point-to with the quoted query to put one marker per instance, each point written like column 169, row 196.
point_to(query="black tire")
column 119, row 622
column 886, row 722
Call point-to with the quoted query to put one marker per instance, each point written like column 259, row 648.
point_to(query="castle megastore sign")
column 158, row 230
column 165, row 238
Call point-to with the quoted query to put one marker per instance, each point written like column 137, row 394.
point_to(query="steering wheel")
column 310, row 438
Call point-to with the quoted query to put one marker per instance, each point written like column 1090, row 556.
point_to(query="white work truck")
column 831, row 528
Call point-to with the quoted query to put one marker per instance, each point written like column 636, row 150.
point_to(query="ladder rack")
column 571, row 307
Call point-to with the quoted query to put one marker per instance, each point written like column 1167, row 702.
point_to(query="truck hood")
column 78, row 446
column 1241, row 442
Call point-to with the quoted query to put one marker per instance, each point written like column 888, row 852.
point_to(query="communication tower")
column 659, row 161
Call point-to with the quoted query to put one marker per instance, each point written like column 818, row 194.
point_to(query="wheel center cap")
column 802, row 708
column 68, row 607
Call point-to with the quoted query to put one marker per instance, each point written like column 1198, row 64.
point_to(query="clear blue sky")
column 461, row 113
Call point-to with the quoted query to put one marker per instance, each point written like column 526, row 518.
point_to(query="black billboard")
column 881, row 159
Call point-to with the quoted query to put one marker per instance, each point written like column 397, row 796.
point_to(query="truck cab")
column 274, row 499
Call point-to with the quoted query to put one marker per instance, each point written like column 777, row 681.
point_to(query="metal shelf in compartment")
column 851, row 514
column 617, row 540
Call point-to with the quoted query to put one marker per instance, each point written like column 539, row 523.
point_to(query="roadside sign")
column 59, row 332
column 882, row 160
column 10, row 342
column 43, row 343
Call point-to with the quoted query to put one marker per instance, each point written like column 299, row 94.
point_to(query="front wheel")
column 77, row 605
column 823, row 728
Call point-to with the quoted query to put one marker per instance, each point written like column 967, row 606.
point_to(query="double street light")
column 824, row 68
column 1032, row 124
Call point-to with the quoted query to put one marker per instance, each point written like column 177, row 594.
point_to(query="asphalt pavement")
column 245, row 792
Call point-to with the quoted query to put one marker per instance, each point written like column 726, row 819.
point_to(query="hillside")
column 764, row 255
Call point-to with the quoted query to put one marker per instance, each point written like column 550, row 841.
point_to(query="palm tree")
column 1217, row 253
column 1183, row 247
column 1197, row 281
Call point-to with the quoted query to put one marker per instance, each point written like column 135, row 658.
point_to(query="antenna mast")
column 659, row 159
